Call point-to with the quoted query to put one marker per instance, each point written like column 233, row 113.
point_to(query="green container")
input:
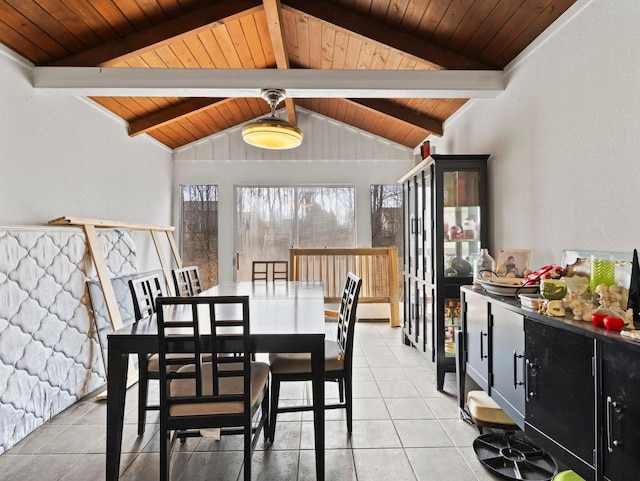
column 603, row 271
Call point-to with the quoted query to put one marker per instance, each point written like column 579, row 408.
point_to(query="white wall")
column 564, row 138
column 65, row 156
column 351, row 157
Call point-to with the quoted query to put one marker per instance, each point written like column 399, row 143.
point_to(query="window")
column 386, row 216
column 200, row 230
column 386, row 221
column 270, row 220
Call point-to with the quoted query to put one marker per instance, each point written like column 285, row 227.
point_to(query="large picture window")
column 199, row 207
column 271, row 219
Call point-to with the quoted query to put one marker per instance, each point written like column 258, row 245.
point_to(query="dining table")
column 285, row 316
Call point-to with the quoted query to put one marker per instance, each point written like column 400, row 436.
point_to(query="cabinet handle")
column 516, row 356
column 527, row 383
column 611, row 443
column 482, row 354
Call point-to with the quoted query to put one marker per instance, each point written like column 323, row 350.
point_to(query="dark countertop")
column 567, row 323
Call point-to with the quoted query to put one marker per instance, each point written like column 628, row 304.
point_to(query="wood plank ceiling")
column 269, row 34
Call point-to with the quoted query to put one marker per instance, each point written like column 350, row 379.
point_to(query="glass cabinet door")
column 452, row 323
column 462, row 222
column 429, row 320
column 427, row 216
column 406, row 218
column 420, row 227
column 411, row 191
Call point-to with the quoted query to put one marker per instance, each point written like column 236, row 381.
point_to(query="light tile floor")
column 403, row 429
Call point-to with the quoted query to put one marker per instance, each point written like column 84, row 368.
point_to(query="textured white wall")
column 63, row 156
column 564, row 138
column 331, row 154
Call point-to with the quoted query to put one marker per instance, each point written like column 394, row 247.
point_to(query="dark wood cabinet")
column 620, row 412
column 475, row 320
column 493, row 352
column 508, row 361
column 561, row 394
column 445, row 213
column 573, row 387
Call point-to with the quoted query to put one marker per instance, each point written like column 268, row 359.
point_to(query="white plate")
column 501, row 289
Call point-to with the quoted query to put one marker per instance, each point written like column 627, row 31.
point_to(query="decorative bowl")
column 507, row 286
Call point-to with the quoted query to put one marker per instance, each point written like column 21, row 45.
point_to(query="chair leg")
column 348, row 402
column 165, row 453
column 266, row 415
column 247, row 451
column 275, row 394
column 341, row 390
column 143, row 391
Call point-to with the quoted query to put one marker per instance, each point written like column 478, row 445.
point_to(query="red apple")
column 597, row 319
column 613, row 323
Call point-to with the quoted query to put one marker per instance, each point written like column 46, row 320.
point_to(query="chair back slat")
column 186, row 280
column 347, row 316
column 181, row 323
column 144, row 292
column 270, row 270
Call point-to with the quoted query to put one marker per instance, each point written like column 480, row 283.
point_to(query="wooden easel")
column 89, row 227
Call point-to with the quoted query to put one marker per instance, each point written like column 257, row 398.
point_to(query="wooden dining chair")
column 227, row 393
column 187, row 281
column 144, row 292
column 270, row 270
column 338, row 363
column 280, row 271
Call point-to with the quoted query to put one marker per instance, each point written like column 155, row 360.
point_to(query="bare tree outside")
column 200, row 230
column 386, row 220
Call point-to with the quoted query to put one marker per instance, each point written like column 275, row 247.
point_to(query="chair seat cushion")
column 227, row 385
column 483, row 409
column 294, row 363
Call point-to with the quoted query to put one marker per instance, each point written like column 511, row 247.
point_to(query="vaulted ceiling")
column 341, row 36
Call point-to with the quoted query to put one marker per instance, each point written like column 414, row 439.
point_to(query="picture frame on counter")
column 513, row 261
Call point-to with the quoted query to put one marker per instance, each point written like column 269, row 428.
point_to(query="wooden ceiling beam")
column 165, row 116
column 355, row 24
column 311, row 83
column 394, row 110
column 137, row 43
column 273, row 13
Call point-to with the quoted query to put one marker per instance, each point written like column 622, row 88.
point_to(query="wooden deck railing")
column 376, row 266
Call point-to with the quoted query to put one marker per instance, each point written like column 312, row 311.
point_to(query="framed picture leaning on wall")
column 512, row 262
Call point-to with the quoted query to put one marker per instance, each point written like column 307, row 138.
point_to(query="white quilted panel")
column 50, row 353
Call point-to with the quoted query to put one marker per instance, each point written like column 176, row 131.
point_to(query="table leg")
column 117, row 388
column 317, row 372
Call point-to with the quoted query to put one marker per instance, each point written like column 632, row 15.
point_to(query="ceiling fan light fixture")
column 272, row 132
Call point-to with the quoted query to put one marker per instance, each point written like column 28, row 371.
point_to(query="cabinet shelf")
column 460, row 241
column 442, row 199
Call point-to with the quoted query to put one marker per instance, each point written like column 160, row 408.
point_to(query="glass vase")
column 484, row 266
